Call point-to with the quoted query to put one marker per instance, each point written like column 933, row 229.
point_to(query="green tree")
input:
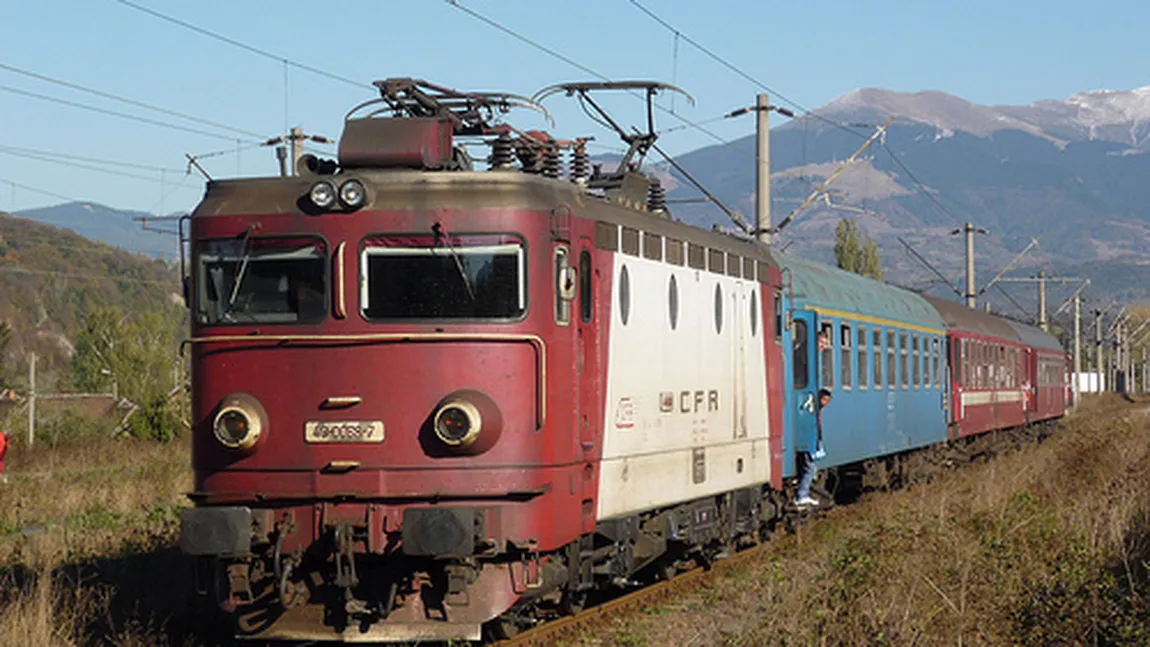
column 855, row 252
column 138, row 353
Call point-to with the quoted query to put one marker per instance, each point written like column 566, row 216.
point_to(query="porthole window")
column 754, row 313
column 718, row 308
column 673, row 301
column 624, row 295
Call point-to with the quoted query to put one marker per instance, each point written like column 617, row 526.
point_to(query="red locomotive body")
column 399, row 389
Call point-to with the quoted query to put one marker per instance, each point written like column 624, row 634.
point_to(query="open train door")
column 804, row 376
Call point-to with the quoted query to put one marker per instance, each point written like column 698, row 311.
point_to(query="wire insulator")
column 529, row 156
column 656, row 197
column 502, row 152
column 580, row 168
column 550, row 161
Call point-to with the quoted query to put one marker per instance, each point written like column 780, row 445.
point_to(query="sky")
column 59, row 144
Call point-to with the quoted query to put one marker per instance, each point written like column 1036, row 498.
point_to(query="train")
column 432, row 401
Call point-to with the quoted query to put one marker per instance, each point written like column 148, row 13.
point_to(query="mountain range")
column 1069, row 173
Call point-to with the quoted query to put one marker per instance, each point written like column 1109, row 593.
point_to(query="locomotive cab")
column 382, row 446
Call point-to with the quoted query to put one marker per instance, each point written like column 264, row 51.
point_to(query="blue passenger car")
column 879, row 349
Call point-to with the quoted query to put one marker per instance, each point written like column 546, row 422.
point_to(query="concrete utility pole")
column 31, row 399
column 295, row 139
column 1145, row 370
column 970, row 296
column 763, row 170
column 1098, row 360
column 1041, row 320
column 1042, row 301
column 971, row 292
column 1076, row 299
column 1077, row 346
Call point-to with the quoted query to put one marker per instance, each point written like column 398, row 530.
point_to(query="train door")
column 588, row 374
column 1033, row 381
column 804, row 376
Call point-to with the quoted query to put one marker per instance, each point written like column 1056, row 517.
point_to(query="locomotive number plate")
column 340, row 431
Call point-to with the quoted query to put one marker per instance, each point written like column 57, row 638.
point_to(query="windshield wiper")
column 238, row 279
column 441, row 234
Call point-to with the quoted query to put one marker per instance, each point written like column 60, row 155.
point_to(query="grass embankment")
column 87, row 535
column 1047, row 545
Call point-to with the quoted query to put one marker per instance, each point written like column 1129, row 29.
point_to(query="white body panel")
column 686, row 409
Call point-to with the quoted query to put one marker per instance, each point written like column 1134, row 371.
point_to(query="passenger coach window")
column 890, row 353
column 827, row 355
column 876, row 344
column 934, row 359
column 424, row 277
column 914, row 370
column 864, row 373
column 801, row 368
column 847, row 373
column 902, row 365
column 261, row 280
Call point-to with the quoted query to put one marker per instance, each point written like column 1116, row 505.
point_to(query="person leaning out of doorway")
column 806, row 459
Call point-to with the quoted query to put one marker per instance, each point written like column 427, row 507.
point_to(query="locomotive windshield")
column 477, row 277
column 261, row 280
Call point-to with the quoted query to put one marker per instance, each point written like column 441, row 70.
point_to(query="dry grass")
column 87, row 557
column 1047, row 545
column 93, row 496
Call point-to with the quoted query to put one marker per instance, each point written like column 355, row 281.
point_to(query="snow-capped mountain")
column 1072, row 173
column 1121, row 116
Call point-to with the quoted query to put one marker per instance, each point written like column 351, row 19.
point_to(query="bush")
column 154, row 421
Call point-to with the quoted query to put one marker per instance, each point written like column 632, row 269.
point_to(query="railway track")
column 570, row 627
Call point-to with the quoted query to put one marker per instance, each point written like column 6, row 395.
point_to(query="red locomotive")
column 400, row 385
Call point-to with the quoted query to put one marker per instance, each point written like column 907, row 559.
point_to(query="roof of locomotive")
column 961, row 318
column 392, row 189
column 402, row 189
column 822, row 286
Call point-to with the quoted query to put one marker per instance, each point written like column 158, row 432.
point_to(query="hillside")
column 1070, row 173
column 51, row 278
column 113, row 226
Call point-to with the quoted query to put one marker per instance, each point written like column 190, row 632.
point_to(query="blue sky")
column 1004, row 52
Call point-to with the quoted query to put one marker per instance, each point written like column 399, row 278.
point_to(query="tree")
column 138, row 354
column 856, row 253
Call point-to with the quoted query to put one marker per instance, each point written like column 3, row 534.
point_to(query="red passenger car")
column 1002, row 372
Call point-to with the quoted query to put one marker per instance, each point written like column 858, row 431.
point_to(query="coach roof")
column 822, row 287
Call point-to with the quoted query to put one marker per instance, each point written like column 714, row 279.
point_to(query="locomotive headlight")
column 352, row 194
column 239, row 421
column 322, row 195
column 458, row 423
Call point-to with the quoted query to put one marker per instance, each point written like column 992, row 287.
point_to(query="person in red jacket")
column 3, row 453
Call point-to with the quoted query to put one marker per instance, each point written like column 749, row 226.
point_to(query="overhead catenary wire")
column 568, row 60
column 732, row 67
column 115, row 113
column 96, row 160
column 96, row 169
column 125, row 100
column 235, row 43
